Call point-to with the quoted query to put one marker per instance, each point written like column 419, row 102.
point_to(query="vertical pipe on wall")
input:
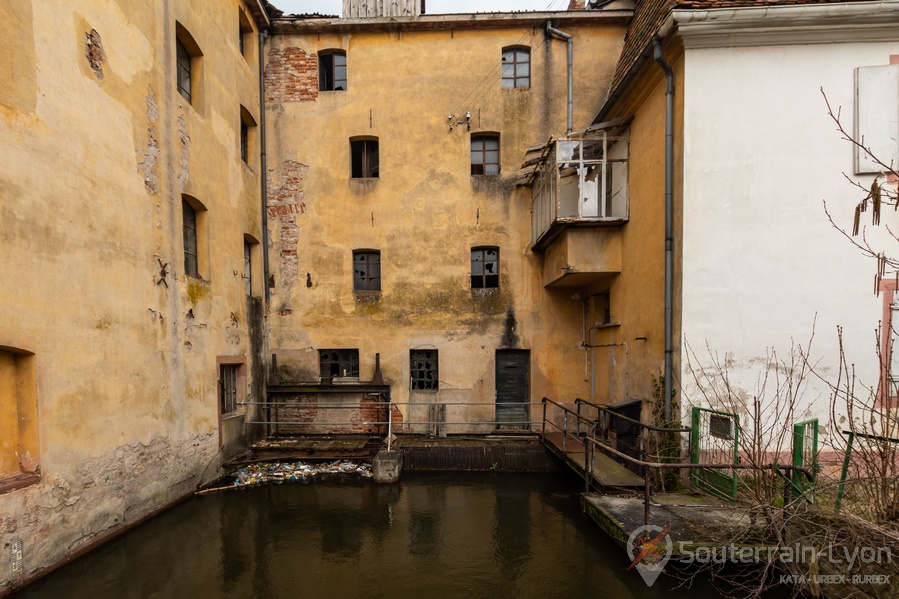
column 570, row 40
column 263, row 175
column 669, row 219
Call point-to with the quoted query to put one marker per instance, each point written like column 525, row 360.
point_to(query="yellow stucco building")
column 420, row 188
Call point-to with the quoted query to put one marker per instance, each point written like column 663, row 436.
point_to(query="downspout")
column 669, row 219
column 263, row 168
column 570, row 40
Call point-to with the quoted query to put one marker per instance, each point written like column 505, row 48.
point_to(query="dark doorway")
column 513, row 390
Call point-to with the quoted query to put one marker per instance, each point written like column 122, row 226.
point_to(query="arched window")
column 332, row 70
column 516, row 68
column 187, row 58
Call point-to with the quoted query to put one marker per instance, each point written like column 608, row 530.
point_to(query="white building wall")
column 762, row 266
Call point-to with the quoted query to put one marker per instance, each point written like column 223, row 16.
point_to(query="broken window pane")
column 423, row 369
column 516, row 68
column 366, row 270
column 339, row 363
column 485, row 155
column 484, row 268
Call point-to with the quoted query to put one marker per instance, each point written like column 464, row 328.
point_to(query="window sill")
column 19, row 481
column 367, row 296
column 233, row 415
column 607, row 325
column 340, row 380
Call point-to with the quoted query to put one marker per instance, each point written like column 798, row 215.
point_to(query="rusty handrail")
column 611, row 410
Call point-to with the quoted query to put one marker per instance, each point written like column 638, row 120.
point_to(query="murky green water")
column 432, row 535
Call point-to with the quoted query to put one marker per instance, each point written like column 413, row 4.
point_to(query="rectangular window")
column 484, row 268
column 339, row 363
column 485, row 155
column 516, row 68
column 189, row 216
column 183, row 70
column 247, row 269
column 244, row 30
column 366, row 270
column 228, row 387
column 364, row 155
column 332, row 70
column 423, row 369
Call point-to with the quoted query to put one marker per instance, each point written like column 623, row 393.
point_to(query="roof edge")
column 445, row 22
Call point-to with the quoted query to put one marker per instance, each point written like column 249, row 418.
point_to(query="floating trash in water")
column 281, row 472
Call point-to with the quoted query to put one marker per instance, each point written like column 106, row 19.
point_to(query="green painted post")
column 845, row 471
column 736, row 480
column 694, row 442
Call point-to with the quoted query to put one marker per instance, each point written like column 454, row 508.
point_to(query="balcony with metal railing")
column 578, row 181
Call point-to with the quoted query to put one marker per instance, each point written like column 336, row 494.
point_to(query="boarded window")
column 332, row 70
column 228, row 387
column 364, row 156
column 516, row 68
column 189, row 216
column 366, row 270
column 484, row 268
column 339, row 363
column 423, row 368
column 485, row 155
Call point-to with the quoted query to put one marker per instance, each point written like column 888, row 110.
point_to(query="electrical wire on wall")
column 486, row 85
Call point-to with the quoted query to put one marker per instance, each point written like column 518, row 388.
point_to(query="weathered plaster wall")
column 633, row 361
column 98, row 146
column 763, row 267
column 426, row 211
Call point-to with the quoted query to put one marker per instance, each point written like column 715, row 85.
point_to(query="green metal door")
column 512, row 386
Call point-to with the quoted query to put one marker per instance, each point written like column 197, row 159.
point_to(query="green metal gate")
column 715, row 439
column 805, row 455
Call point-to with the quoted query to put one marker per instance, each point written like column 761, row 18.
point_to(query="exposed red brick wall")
column 576, row 5
column 285, row 202
column 291, row 75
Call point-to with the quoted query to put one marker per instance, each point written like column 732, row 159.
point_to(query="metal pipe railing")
column 648, row 466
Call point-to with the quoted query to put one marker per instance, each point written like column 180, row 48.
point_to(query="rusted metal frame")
column 610, row 410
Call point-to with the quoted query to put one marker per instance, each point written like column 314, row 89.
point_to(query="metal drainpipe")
column 570, row 40
column 669, row 219
column 263, row 167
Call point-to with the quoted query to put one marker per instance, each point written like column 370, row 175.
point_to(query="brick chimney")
column 361, row 9
column 576, row 5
